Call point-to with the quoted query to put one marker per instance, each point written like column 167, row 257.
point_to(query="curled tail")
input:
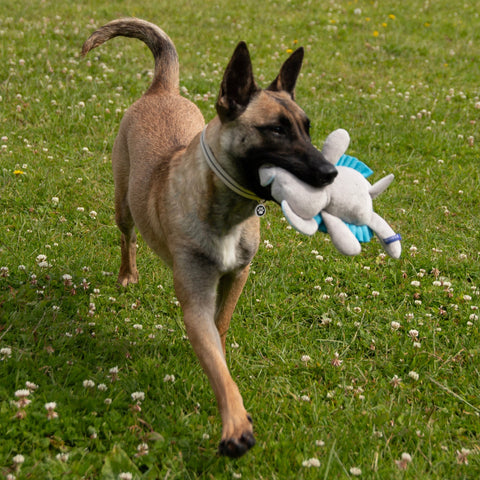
column 166, row 75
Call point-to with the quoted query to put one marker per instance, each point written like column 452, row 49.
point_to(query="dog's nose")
column 326, row 173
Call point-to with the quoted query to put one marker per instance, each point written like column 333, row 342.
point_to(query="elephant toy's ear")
column 335, row 145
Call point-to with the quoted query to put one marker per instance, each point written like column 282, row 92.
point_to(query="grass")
column 322, row 368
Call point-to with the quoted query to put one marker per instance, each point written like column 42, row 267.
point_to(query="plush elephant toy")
column 343, row 209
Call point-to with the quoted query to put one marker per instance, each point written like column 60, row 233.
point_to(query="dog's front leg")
column 197, row 297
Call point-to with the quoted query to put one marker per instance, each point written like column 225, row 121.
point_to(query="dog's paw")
column 126, row 279
column 235, row 448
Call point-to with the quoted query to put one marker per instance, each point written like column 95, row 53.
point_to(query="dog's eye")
column 277, row 130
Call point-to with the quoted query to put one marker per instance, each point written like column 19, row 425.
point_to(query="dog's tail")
column 166, row 75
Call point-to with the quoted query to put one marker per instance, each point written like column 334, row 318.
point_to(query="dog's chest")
column 232, row 252
column 228, row 250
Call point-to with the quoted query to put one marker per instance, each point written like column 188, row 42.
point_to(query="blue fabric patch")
column 363, row 233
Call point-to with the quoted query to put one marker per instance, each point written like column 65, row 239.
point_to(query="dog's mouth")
column 313, row 170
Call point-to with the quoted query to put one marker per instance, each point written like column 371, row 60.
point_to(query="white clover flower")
column 395, row 381
column 125, row 476
column 311, row 462
column 142, row 449
column 55, row 200
column 305, row 398
column 6, row 352
column 413, row 333
column 305, row 358
column 138, row 396
column 22, row 393
column 62, row 457
column 415, row 283
column 41, row 258
column 102, row 387
column 18, row 459
column 355, row 471
column 88, row 383
column 93, row 214
column 169, row 378
column 31, row 386
column 413, row 375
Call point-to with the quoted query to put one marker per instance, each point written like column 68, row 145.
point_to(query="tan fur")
column 205, row 232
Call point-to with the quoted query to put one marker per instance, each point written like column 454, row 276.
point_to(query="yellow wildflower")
column 391, row 16
column 18, row 172
column 375, row 33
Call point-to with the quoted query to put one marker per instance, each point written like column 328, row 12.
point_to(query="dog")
column 191, row 191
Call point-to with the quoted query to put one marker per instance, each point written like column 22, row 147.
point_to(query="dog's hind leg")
column 229, row 290
column 123, row 217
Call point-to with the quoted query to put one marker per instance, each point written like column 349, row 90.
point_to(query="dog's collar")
column 218, row 170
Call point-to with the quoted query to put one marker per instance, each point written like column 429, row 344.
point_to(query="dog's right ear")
column 238, row 85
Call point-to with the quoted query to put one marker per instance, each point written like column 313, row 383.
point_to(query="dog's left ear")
column 238, row 85
column 287, row 78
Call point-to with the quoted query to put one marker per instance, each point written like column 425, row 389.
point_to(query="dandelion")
column 50, row 407
column 376, row 33
column 18, row 172
column 311, row 462
column 405, row 459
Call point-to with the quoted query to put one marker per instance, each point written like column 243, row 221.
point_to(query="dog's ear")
column 238, row 85
column 287, row 78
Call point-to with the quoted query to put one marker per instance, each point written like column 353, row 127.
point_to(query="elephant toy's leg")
column 388, row 238
column 343, row 239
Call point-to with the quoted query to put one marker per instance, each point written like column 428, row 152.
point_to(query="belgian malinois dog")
column 191, row 191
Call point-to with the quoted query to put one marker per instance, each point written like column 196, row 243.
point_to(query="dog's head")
column 261, row 127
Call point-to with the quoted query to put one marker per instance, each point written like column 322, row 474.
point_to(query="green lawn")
column 367, row 365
